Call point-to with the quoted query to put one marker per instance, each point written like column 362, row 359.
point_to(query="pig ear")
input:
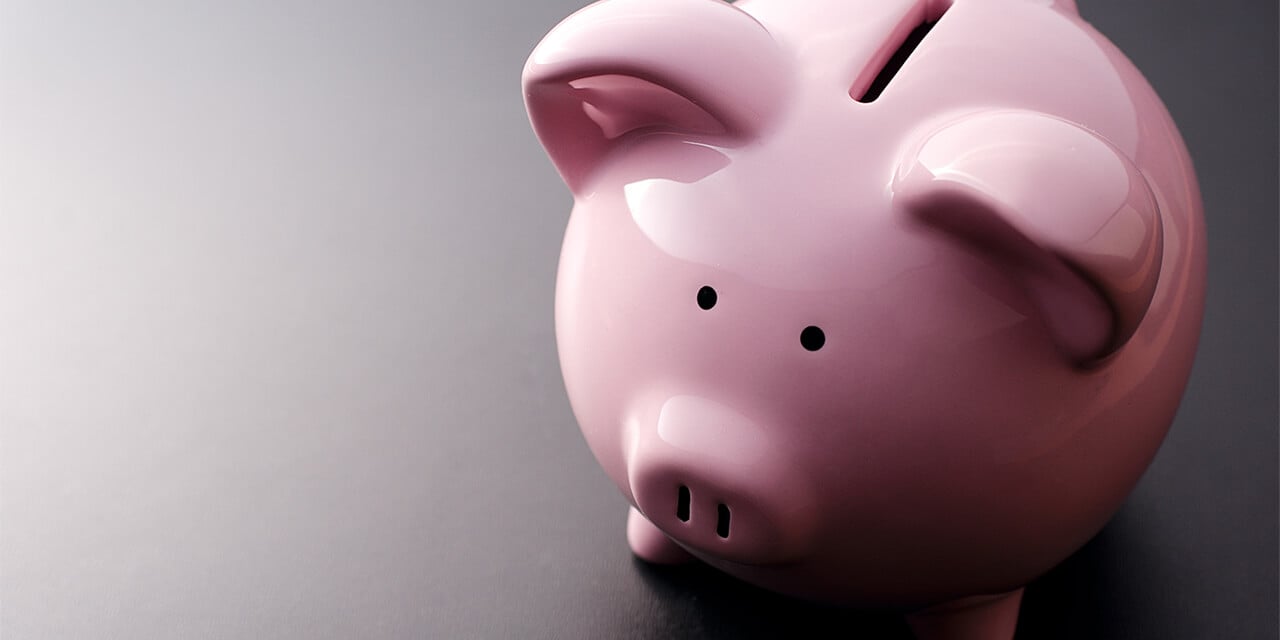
column 694, row 67
column 1067, row 215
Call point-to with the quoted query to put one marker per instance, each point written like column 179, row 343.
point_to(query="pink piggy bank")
column 882, row 303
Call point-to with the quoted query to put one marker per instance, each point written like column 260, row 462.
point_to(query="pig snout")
column 717, row 483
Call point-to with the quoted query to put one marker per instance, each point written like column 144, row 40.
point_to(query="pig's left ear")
column 694, row 67
column 1063, row 212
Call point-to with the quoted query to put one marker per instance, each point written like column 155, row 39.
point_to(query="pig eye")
column 812, row 338
column 706, row 298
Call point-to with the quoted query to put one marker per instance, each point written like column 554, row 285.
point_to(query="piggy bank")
column 880, row 303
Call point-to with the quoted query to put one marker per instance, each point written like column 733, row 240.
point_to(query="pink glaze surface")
column 1004, row 252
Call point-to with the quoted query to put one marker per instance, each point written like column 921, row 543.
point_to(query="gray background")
column 276, row 349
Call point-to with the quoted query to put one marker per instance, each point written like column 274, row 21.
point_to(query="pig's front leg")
column 976, row 618
column 650, row 544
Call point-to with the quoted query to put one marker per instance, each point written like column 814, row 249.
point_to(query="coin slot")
column 895, row 62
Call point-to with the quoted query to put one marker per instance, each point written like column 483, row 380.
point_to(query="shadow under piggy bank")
column 1086, row 596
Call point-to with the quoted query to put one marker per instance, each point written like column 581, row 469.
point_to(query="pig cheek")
column 592, row 390
column 954, row 410
column 611, row 319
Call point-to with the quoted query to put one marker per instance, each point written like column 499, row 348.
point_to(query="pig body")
column 900, row 346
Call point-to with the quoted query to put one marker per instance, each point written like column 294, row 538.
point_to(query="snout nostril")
column 682, row 504
column 722, row 521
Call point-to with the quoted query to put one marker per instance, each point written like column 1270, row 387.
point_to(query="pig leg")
column 976, row 618
column 650, row 544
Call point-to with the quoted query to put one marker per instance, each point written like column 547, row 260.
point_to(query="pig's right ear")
column 1062, row 212
column 695, row 67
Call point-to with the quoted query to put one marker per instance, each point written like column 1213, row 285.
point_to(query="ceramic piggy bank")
column 882, row 303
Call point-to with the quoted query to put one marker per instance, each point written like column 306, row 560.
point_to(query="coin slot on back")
column 895, row 62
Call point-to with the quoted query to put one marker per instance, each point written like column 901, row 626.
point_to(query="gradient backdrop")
column 276, row 350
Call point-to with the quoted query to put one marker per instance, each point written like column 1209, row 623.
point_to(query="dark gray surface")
column 276, row 349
